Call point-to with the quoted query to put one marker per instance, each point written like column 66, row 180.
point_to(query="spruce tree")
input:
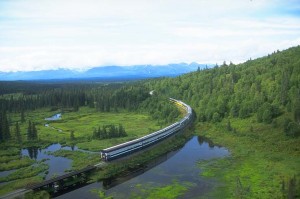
column 1, row 127
column 18, row 133
column 29, row 131
column 72, row 136
column 22, row 116
column 5, row 131
column 34, row 132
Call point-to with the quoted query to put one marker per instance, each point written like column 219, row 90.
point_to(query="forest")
column 265, row 88
column 252, row 108
column 100, row 97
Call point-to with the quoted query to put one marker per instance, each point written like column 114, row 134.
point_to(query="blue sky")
column 80, row 34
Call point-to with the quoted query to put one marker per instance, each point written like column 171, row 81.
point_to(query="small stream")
column 180, row 165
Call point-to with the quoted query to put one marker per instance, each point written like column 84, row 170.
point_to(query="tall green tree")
column 29, row 131
column 32, row 133
column 4, row 127
column 297, row 112
column 22, row 116
column 18, row 133
column 72, row 136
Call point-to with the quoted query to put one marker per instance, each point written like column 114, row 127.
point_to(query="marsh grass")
column 82, row 123
column 262, row 159
column 170, row 191
column 80, row 159
column 16, row 163
column 26, row 172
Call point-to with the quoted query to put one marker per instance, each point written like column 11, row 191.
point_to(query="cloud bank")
column 50, row 34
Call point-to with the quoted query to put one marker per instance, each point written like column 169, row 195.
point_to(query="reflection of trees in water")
column 33, row 152
column 202, row 139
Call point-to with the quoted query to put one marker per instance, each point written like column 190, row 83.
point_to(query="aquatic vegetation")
column 16, row 163
column 26, row 172
column 262, row 163
column 170, row 191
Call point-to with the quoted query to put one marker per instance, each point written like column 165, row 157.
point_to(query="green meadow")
column 82, row 123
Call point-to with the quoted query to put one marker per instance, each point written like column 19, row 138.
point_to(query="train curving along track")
column 132, row 146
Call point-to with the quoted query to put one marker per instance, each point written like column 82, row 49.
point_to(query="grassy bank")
column 263, row 162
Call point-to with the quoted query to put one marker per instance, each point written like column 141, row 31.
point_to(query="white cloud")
column 53, row 34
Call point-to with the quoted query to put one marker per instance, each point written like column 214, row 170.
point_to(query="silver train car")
column 123, row 149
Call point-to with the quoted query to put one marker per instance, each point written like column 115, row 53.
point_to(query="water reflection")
column 203, row 140
column 33, row 152
column 180, row 165
column 112, row 182
column 57, row 165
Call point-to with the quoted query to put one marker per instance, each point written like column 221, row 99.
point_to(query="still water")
column 180, row 165
column 57, row 165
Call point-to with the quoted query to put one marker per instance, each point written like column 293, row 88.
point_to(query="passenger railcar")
column 145, row 141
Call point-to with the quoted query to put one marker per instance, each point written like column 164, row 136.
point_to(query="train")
column 132, row 146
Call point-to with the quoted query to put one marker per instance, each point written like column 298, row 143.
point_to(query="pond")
column 57, row 165
column 180, row 165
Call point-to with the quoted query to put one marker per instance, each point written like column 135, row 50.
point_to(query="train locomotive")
column 129, row 147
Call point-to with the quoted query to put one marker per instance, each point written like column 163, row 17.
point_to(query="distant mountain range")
column 106, row 72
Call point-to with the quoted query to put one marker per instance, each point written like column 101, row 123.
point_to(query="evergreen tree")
column 29, row 131
column 297, row 112
column 104, row 132
column 4, row 127
column 22, row 116
column 72, row 136
column 34, row 132
column 95, row 136
column 1, row 127
column 229, row 128
column 18, row 133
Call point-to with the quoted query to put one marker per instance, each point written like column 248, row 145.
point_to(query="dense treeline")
column 109, row 131
column 133, row 96
column 104, row 98
column 25, row 87
column 160, row 109
column 265, row 88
